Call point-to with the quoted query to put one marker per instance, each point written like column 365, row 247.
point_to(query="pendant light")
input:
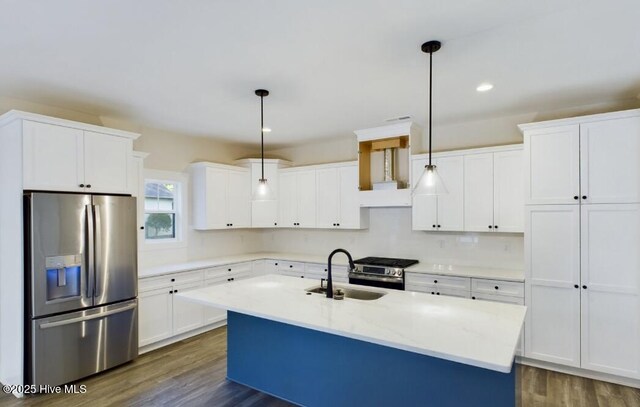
column 262, row 191
column 430, row 182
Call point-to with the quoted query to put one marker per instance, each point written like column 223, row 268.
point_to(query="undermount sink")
column 353, row 293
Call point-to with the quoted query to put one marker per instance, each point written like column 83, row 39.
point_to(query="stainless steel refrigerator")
column 81, row 285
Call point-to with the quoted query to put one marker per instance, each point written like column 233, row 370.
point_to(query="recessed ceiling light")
column 266, row 130
column 483, row 87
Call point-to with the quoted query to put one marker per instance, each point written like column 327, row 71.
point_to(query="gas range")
column 380, row 272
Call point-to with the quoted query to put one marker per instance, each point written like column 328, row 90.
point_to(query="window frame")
column 180, row 180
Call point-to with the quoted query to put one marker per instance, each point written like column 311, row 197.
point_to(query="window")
column 161, row 210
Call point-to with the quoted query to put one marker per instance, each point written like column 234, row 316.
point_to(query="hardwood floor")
column 192, row 373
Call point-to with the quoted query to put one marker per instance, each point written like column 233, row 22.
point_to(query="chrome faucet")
column 329, row 279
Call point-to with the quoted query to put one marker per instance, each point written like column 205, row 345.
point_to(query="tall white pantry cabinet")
column 582, row 242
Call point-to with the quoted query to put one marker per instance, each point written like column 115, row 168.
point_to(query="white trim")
column 246, row 162
column 390, row 130
column 320, row 166
column 12, row 115
column 579, row 119
column 469, row 151
column 181, row 211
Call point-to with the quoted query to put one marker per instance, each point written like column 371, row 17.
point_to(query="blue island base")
column 314, row 368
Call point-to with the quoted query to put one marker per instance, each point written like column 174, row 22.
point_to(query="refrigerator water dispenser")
column 63, row 276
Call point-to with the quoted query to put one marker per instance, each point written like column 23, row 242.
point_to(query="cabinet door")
column 52, row 157
column 478, row 192
column 106, row 162
column 349, row 198
column 212, row 314
column 424, row 212
column 306, row 196
column 552, row 165
column 328, row 193
column 287, row 200
column 155, row 316
column 239, row 199
column 215, row 202
column 187, row 315
column 609, row 164
column 264, row 214
column 451, row 205
column 552, row 267
column 508, row 194
column 610, row 288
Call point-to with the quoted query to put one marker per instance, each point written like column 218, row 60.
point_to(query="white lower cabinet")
column 187, row 315
column 155, row 321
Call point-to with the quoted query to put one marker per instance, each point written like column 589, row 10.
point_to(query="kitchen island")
column 404, row 348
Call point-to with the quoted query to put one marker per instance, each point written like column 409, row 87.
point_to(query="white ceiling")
column 332, row 66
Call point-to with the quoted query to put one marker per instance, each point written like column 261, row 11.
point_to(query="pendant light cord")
column 430, row 91
column 262, row 134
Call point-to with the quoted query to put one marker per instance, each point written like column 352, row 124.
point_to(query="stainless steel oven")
column 381, row 272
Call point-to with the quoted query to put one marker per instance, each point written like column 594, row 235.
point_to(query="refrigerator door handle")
column 90, row 250
column 98, row 252
column 87, row 317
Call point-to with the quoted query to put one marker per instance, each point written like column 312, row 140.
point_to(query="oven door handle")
column 359, row 276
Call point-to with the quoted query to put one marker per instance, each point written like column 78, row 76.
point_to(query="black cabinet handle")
column 490, row 227
column 576, row 197
column 276, row 264
column 290, row 266
column 173, row 279
column 584, row 197
column 438, row 225
column 141, row 227
column 175, row 291
column 433, row 226
column 496, row 287
column 228, row 269
column 435, row 281
column 437, row 293
column 233, row 279
column 473, row 298
column 495, row 226
column 171, row 292
column 576, row 286
column 338, row 224
column 88, row 185
column 433, row 293
column 584, row 287
column 81, row 185
column 325, row 269
column 275, row 223
column 301, row 276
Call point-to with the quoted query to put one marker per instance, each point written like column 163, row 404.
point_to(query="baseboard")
column 590, row 374
column 178, row 338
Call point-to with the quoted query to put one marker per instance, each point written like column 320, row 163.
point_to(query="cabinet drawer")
column 230, row 270
column 152, row 283
column 434, row 290
column 433, row 281
column 497, row 287
column 290, row 266
column 498, row 298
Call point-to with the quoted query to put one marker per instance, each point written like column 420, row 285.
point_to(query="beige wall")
column 7, row 103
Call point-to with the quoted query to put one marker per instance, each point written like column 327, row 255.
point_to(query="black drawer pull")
column 438, row 225
column 141, row 227
column 175, row 291
column 173, row 279
column 495, row 227
column 290, row 266
column 490, row 227
column 473, row 298
column 81, row 185
column 437, row 293
column 576, row 286
column 435, row 281
column 88, row 185
column 228, row 269
column 171, row 292
column 576, row 197
column 584, row 287
column 496, row 287
column 433, row 226
column 584, row 197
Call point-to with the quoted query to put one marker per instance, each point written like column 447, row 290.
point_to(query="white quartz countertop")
column 478, row 333
column 428, row 268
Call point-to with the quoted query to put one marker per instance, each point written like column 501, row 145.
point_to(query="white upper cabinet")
column 265, row 213
column 478, row 192
column 338, row 203
column 508, row 191
column 61, row 158
column 106, row 162
column 609, row 161
column 552, row 160
column 297, row 198
column 610, row 285
column 53, row 157
column 588, row 160
column 221, row 196
column 444, row 212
